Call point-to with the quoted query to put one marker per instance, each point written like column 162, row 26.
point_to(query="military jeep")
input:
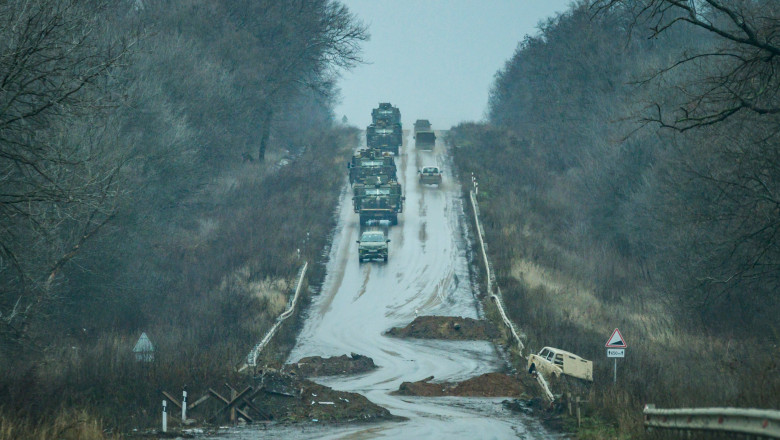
column 372, row 246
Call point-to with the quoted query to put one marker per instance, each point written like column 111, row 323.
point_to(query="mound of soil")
column 332, row 366
column 486, row 385
column 446, row 327
column 289, row 398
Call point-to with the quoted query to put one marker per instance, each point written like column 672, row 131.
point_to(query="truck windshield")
column 377, row 192
column 373, row 237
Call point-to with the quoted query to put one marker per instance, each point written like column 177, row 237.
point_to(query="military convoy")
column 377, row 195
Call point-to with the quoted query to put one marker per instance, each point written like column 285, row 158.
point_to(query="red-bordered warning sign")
column 616, row 340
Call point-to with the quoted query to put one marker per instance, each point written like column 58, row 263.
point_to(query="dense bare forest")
column 629, row 177
column 155, row 163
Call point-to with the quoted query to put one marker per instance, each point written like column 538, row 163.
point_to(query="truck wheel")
column 532, row 370
column 385, row 258
column 394, row 220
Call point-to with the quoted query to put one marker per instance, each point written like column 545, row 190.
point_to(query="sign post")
column 616, row 348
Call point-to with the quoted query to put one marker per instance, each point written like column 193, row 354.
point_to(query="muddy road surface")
column 427, row 274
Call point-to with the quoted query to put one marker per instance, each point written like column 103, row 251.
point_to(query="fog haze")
column 435, row 59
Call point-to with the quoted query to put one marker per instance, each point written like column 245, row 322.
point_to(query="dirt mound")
column 486, row 385
column 446, row 327
column 332, row 366
column 287, row 397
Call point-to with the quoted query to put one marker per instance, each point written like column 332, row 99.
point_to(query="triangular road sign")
column 616, row 340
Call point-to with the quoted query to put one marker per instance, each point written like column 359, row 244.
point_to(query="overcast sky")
column 435, row 59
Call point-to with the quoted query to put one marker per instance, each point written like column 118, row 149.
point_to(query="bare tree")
column 736, row 73
column 59, row 163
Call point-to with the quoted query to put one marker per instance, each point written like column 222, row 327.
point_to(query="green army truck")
column 385, row 137
column 386, row 114
column 371, row 162
column 378, row 201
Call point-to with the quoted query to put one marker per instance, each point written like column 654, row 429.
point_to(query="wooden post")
column 233, row 409
column 579, row 420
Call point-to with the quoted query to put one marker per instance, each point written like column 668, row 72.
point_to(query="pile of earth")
column 284, row 397
column 486, row 385
column 446, row 327
column 332, row 366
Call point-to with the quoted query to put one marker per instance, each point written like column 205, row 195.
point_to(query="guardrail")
column 496, row 296
column 759, row 422
column 251, row 358
column 491, row 276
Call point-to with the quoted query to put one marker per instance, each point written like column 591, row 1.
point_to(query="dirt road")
column 427, row 274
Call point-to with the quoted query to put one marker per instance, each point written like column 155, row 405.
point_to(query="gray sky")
column 435, row 59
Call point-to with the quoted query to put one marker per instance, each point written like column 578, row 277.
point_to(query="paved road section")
column 427, row 274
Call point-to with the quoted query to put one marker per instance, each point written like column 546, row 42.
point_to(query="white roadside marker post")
column 183, row 406
column 165, row 417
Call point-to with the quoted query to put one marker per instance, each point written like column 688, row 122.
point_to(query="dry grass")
column 564, row 287
column 67, row 425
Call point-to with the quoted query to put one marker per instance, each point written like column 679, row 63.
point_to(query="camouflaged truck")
column 371, row 162
column 386, row 114
column 385, row 137
column 378, row 200
column 385, row 131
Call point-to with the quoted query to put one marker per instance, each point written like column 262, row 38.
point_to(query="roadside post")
column 616, row 348
column 165, row 417
column 184, row 406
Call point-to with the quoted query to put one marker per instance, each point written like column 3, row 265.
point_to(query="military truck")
column 421, row 125
column 425, row 140
column 372, row 245
column 378, row 201
column 386, row 114
column 371, row 162
column 384, row 137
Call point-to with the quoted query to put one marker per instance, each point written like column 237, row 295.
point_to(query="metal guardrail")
column 759, row 422
column 251, row 358
column 491, row 276
column 491, row 283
